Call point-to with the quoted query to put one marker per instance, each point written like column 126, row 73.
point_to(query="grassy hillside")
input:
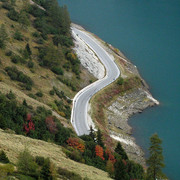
column 43, row 77
column 14, row 144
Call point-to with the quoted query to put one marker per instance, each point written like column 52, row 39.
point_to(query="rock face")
column 88, row 58
column 125, row 106
column 118, row 114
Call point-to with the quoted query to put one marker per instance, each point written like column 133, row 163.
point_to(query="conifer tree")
column 121, row 170
column 45, row 172
column 119, row 149
column 92, row 134
column 3, row 157
column 156, row 159
column 28, row 49
column 99, row 138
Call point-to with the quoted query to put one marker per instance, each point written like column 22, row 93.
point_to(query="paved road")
column 81, row 100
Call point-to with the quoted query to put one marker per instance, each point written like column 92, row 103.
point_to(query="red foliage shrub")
column 29, row 125
column 99, row 151
column 74, row 142
column 51, row 125
column 110, row 156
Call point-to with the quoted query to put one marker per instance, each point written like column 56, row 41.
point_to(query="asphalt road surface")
column 81, row 100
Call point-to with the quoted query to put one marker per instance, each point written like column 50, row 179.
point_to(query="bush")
column 69, row 175
column 30, row 64
column 3, row 157
column 57, row 70
column 120, row 81
column 6, row 170
column 36, row 34
column 26, row 163
column 17, row 75
column 39, row 94
column 18, row 36
column 11, row 95
column 32, row 96
column 51, row 92
column 40, row 160
column 9, row 53
column 6, row 5
column 13, row 14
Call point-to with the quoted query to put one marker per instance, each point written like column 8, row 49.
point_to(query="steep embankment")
column 45, row 78
column 14, row 144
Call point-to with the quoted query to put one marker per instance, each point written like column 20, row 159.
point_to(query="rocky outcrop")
column 125, row 106
column 88, row 58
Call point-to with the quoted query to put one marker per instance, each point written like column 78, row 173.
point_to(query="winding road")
column 81, row 100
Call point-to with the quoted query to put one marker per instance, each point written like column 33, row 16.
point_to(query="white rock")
column 88, row 58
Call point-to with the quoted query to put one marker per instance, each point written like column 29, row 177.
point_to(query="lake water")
column 148, row 33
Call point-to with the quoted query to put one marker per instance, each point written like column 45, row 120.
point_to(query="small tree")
column 110, row 168
column 92, row 134
column 121, row 170
column 3, row 157
column 46, row 170
column 23, row 19
column 156, row 159
column 99, row 138
column 3, row 36
column 119, row 149
column 120, row 81
column 26, row 163
column 28, row 49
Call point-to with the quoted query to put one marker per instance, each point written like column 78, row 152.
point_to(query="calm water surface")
column 148, row 32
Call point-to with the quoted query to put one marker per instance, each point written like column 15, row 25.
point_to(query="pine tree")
column 92, row 134
column 28, row 49
column 156, row 159
column 121, row 170
column 99, row 138
column 45, row 172
column 121, row 151
column 3, row 157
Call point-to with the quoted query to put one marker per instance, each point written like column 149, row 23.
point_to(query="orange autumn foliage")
column 99, row 151
column 74, row 142
column 110, row 156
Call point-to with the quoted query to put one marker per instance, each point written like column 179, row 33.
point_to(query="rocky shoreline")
column 126, row 104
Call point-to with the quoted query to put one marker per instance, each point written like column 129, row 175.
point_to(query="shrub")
column 57, row 70
column 17, row 75
column 51, row 92
column 30, row 64
column 11, row 95
column 69, row 175
column 18, row 36
column 13, row 14
column 40, row 160
column 39, row 94
column 120, row 81
column 3, row 157
column 32, row 96
column 6, row 170
column 9, row 53
column 6, row 5
column 26, row 163
column 36, row 34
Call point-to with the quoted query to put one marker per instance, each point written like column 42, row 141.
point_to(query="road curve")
column 81, row 99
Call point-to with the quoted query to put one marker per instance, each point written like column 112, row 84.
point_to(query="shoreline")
column 121, row 131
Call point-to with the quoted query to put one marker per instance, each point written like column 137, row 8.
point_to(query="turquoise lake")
column 148, row 33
